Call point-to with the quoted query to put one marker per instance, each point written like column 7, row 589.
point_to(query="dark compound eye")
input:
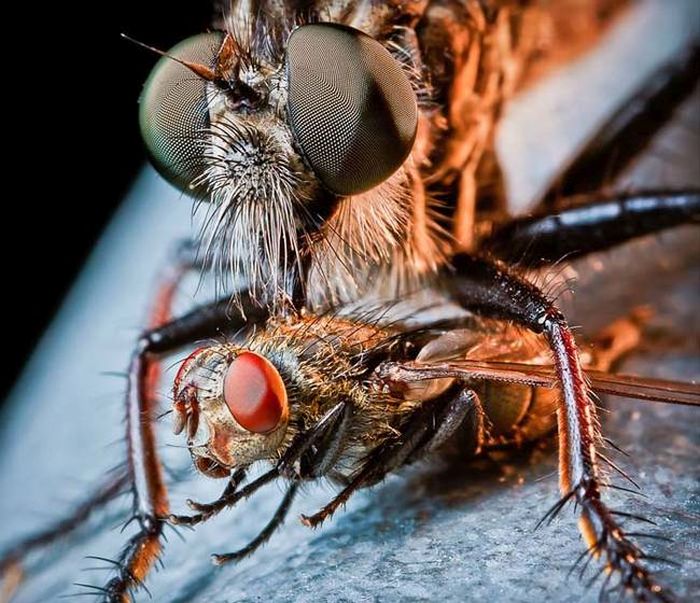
column 351, row 106
column 173, row 110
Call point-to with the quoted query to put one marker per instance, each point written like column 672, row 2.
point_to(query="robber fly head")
column 233, row 405
column 274, row 127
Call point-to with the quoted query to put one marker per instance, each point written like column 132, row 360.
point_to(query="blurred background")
column 82, row 149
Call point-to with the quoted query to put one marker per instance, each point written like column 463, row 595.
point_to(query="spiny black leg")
column 227, row 500
column 326, row 429
column 462, row 417
column 143, row 473
column 630, row 129
column 377, row 465
column 276, row 521
column 234, row 481
column 328, row 445
column 308, row 457
column 592, row 224
column 305, row 458
column 150, row 498
column 493, row 291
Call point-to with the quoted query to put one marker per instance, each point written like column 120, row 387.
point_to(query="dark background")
column 75, row 146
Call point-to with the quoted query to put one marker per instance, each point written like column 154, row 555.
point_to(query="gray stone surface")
column 454, row 533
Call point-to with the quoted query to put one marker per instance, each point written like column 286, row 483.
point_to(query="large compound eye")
column 255, row 393
column 173, row 112
column 352, row 109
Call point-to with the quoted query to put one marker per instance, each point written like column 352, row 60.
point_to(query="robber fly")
column 318, row 138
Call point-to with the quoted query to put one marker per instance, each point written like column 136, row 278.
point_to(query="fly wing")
column 644, row 388
column 631, row 386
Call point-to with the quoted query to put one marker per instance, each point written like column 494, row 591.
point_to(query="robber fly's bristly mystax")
column 342, row 156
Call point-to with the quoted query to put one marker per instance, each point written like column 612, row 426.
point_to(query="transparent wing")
column 643, row 388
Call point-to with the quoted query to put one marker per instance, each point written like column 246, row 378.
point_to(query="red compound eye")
column 255, row 393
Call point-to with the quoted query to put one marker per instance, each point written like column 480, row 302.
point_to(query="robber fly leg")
column 585, row 224
column 622, row 138
column 150, row 499
column 493, row 291
column 10, row 560
column 592, row 224
column 116, row 483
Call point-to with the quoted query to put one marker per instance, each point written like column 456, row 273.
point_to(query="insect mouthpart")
column 232, row 405
column 258, row 191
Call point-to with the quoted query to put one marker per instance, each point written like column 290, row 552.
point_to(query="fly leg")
column 301, row 462
column 234, row 482
column 630, row 130
column 331, row 428
column 494, row 291
column 429, row 427
column 588, row 221
column 116, row 483
column 150, row 499
column 461, row 417
column 293, row 465
column 10, row 561
column 307, row 457
column 276, row 521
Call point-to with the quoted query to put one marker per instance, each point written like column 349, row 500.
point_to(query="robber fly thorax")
column 239, row 403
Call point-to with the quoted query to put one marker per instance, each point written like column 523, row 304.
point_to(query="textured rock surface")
column 453, row 533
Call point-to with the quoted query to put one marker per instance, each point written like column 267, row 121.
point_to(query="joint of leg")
column 550, row 318
column 147, row 341
column 149, row 523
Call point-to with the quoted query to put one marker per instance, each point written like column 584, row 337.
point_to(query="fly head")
column 233, row 406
